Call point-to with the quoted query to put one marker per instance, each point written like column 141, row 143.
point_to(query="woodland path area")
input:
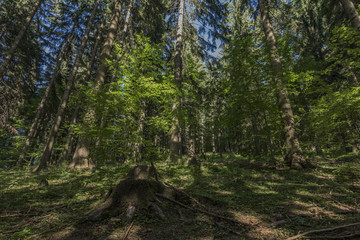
column 253, row 201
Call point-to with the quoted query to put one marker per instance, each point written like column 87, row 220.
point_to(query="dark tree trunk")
column 40, row 109
column 14, row 46
column 351, row 13
column 294, row 156
column 68, row 88
column 99, row 82
column 175, row 138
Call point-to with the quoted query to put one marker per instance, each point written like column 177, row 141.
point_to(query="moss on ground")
column 270, row 203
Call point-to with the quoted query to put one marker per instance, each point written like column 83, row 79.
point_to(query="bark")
column 175, row 138
column 294, row 156
column 14, row 46
column 70, row 137
column 81, row 156
column 69, row 85
column 99, row 80
column 351, row 13
column 40, row 109
column 139, row 132
column 127, row 23
column 355, row 79
column 192, row 148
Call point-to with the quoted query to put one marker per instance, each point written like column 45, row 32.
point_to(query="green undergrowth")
column 269, row 203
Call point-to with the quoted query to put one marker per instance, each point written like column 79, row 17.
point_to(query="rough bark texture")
column 140, row 130
column 69, row 138
column 137, row 191
column 40, row 109
column 294, row 156
column 101, row 71
column 81, row 157
column 175, row 138
column 351, row 13
column 69, row 85
column 14, row 46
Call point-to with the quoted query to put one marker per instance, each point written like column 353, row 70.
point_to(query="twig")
column 323, row 230
column 128, row 231
column 336, row 237
column 200, row 210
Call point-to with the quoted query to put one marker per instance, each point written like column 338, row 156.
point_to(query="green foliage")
column 349, row 172
column 335, row 117
column 135, row 108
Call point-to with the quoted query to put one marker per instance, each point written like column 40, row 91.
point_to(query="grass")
column 269, row 203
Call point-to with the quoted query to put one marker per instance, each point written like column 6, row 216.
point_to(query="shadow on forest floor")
column 269, row 203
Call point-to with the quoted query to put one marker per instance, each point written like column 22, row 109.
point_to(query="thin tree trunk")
column 69, row 85
column 14, row 46
column 351, row 13
column 139, row 132
column 82, row 151
column 355, row 79
column 70, row 137
column 294, row 156
column 175, row 138
column 40, row 109
column 192, row 148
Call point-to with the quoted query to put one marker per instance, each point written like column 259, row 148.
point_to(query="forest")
column 179, row 119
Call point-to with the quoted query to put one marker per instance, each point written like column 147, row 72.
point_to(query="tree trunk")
column 139, row 132
column 14, row 46
column 294, row 156
column 81, row 157
column 40, row 109
column 69, row 85
column 175, row 138
column 192, row 148
column 351, row 13
column 70, row 137
column 99, row 79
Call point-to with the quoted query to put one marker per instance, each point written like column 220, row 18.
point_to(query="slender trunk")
column 175, row 138
column 70, row 137
column 294, row 156
column 355, row 79
column 69, row 85
column 82, row 151
column 192, row 148
column 351, row 13
column 40, row 109
column 139, row 132
column 127, row 23
column 14, row 46
column 124, row 31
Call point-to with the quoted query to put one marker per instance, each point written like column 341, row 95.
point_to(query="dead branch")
column 228, row 229
column 323, row 230
column 356, row 234
column 200, row 210
column 186, row 194
column 128, row 230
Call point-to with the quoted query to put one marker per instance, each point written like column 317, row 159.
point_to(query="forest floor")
column 262, row 202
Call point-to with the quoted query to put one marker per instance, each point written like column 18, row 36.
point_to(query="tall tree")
column 81, row 157
column 351, row 13
column 45, row 98
column 175, row 138
column 68, row 88
column 24, row 28
column 294, row 156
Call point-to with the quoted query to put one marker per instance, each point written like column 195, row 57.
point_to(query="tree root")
column 200, row 210
column 323, row 230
